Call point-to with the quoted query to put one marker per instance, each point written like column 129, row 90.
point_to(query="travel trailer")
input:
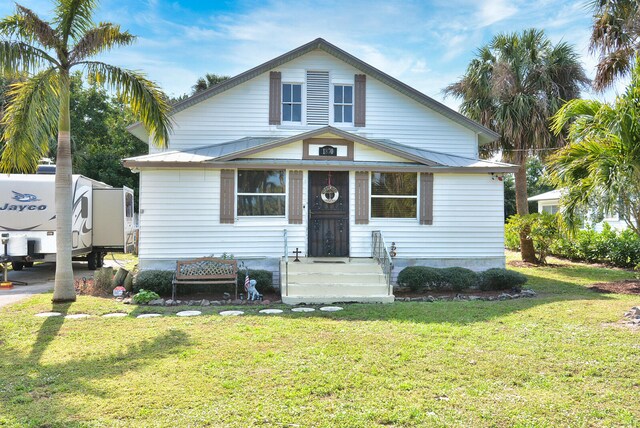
column 102, row 219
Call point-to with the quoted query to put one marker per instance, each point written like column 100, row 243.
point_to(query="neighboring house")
column 549, row 202
column 323, row 145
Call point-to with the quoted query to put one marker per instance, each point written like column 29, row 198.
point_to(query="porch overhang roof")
column 226, row 155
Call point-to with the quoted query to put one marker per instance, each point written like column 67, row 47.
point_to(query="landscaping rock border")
column 462, row 297
column 633, row 316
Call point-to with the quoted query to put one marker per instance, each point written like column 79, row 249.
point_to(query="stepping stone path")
column 231, row 313
column 271, row 311
column 115, row 315
column 77, row 316
column 149, row 316
column 330, row 308
column 302, row 310
column 188, row 313
column 48, row 314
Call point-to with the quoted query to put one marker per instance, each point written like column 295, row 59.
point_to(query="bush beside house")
column 620, row 249
column 159, row 281
column 424, row 278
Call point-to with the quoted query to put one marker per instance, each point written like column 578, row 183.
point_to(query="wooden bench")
column 205, row 270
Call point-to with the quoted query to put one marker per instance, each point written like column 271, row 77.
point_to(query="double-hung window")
column 394, row 195
column 292, row 102
column 343, row 104
column 261, row 192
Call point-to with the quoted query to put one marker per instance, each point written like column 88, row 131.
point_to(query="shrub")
column 419, row 278
column 158, row 281
column 264, row 280
column 542, row 228
column 501, row 279
column 145, row 296
column 459, row 278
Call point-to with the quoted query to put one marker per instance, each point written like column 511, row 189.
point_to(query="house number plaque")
column 328, row 151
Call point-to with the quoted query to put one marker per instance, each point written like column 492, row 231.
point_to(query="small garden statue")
column 252, row 293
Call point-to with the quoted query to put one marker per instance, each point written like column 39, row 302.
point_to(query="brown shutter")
column 227, row 195
column 360, row 100
column 362, row 197
column 295, row 197
column 275, row 97
column 426, row 198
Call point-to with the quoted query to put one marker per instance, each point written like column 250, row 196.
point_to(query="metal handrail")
column 286, row 263
column 381, row 255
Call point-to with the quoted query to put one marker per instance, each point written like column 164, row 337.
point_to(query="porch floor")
column 332, row 280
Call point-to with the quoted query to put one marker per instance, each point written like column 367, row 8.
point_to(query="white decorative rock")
column 231, row 313
column 149, row 316
column 188, row 313
column 271, row 311
column 331, row 308
column 115, row 315
column 77, row 316
column 302, row 310
column 48, row 314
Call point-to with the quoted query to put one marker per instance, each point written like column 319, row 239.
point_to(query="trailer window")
column 84, row 207
column 128, row 205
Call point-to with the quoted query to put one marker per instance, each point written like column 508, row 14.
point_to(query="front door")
column 328, row 214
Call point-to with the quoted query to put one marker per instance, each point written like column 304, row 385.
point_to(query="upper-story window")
column 292, row 102
column 343, row 104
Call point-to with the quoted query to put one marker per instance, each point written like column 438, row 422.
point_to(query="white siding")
column 468, row 222
column 180, row 219
column 243, row 111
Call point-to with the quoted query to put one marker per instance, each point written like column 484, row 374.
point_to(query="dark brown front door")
column 328, row 214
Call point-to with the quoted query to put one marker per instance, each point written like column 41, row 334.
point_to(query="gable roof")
column 485, row 134
column 226, row 154
column 548, row 196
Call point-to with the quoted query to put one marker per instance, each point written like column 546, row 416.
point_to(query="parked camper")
column 102, row 219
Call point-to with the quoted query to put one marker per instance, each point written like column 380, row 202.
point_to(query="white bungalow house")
column 318, row 151
column 549, row 202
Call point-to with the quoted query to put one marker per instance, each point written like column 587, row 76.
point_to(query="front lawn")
column 559, row 359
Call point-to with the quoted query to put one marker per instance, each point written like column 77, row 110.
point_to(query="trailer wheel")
column 17, row 265
column 28, row 264
column 92, row 260
column 100, row 259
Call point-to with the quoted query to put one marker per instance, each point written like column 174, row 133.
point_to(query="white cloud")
column 492, row 11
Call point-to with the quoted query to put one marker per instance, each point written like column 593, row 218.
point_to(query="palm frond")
column 99, row 39
column 26, row 26
column 74, row 18
column 145, row 98
column 17, row 58
column 29, row 121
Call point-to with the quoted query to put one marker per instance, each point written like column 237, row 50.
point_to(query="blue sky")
column 426, row 44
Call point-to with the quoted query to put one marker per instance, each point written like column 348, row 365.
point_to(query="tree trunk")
column 522, row 207
column 63, row 290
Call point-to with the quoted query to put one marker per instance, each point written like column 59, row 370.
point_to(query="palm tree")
column 616, row 37
column 513, row 85
column 206, row 82
column 601, row 165
column 42, row 54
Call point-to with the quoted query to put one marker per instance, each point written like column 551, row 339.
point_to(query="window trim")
column 285, row 194
column 342, row 104
column 301, row 103
column 372, row 196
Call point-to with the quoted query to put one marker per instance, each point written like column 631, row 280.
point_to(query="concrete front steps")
column 325, row 280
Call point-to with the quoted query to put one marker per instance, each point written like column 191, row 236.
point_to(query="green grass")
column 556, row 360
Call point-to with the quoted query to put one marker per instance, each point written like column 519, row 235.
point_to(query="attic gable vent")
column 317, row 97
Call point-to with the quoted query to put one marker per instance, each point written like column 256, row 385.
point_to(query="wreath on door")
column 329, row 193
